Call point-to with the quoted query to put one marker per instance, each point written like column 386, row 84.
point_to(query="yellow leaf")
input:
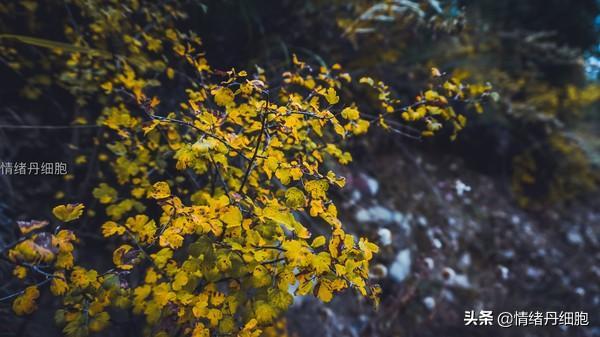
column 323, row 292
column 217, row 299
column 226, row 325
column 287, row 219
column 110, row 228
column 361, row 127
column 170, row 73
column 346, row 77
column 317, row 188
column 121, row 259
column 232, row 217
column 180, row 280
column 20, row 272
column 295, row 198
column 350, row 113
column 25, row 303
column 333, row 179
column 223, row 96
column 200, row 331
column 368, row 248
column 435, row 72
column 30, row 226
column 200, row 308
column 58, row 286
column 214, row 315
column 462, row 120
column 160, row 190
column 305, row 287
column 30, row 251
column 162, row 257
column 296, row 173
column 171, row 237
column 321, row 262
column 105, row 194
column 251, row 324
column 260, row 276
column 163, row 294
column 99, row 322
column 264, row 312
column 294, row 251
column 283, row 174
column 281, row 299
column 154, row 102
column 431, row 95
column 69, row 212
column 338, row 128
column 107, row 86
column 318, row 241
column 151, row 126
column 366, row 80
column 64, row 261
column 144, row 227
column 331, row 96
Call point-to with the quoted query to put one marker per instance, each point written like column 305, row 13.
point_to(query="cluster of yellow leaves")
column 434, row 106
column 87, row 296
column 25, row 303
column 46, row 247
column 40, row 248
column 245, row 249
column 262, row 154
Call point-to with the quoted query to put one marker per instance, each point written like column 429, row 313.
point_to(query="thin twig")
column 262, row 130
column 18, row 293
column 218, row 172
column 144, row 252
column 204, row 132
column 48, row 127
column 16, row 242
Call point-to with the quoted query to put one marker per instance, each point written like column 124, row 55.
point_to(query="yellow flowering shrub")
column 216, row 203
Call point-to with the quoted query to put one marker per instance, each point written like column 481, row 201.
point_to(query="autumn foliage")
column 216, row 203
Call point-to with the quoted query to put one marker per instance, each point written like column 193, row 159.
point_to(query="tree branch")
column 259, row 140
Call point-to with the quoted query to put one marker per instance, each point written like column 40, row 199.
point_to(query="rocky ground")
column 453, row 240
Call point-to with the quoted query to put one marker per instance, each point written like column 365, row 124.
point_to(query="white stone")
column 362, row 215
column 460, row 281
column 385, row 236
column 461, row 188
column 355, row 197
column 429, row 302
column 429, row 263
column 400, row 269
column 574, row 237
column 465, row 261
column 380, row 213
column 371, row 183
column 503, row 272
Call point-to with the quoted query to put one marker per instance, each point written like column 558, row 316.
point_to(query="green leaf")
column 56, row 45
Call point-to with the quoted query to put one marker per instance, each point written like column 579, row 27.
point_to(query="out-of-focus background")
column 504, row 218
